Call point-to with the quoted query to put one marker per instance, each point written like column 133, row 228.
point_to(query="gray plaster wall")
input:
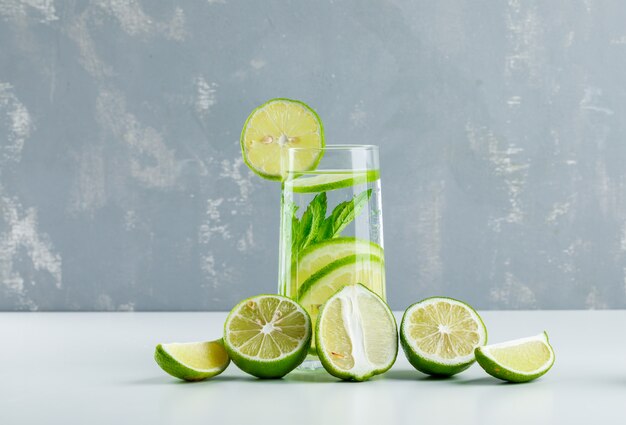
column 500, row 124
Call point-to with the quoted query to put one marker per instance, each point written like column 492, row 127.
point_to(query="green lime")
column 361, row 268
column 520, row 360
column 439, row 335
column 268, row 335
column 274, row 127
column 356, row 334
column 331, row 181
column 317, row 256
column 192, row 361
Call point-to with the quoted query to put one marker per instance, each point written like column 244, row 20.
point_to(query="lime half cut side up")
column 439, row 335
column 192, row 361
column 331, row 181
column 520, row 360
column 276, row 126
column 268, row 335
column 356, row 334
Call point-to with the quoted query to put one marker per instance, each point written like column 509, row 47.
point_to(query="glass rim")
column 340, row 147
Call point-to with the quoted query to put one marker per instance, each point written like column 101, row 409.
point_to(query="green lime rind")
column 268, row 369
column 327, row 362
column 420, row 361
column 328, row 182
column 430, row 367
column 245, row 127
column 336, row 244
column 503, row 372
column 180, row 370
column 309, row 285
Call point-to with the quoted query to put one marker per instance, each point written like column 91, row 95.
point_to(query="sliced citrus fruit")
column 331, row 181
column 268, row 335
column 316, row 257
column 192, row 361
column 439, row 335
column 356, row 334
column 366, row 269
column 520, row 360
column 274, row 127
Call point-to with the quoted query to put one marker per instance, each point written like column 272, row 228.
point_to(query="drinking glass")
column 331, row 231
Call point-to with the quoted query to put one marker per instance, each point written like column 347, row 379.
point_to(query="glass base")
column 311, row 363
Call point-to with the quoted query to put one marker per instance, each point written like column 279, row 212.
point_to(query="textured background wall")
column 503, row 146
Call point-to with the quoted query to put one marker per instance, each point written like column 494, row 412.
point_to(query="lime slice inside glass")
column 317, row 256
column 356, row 335
column 331, row 181
column 192, row 361
column 520, row 360
column 274, row 127
column 439, row 335
column 268, row 335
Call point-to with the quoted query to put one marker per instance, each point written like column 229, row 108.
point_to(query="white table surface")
column 97, row 368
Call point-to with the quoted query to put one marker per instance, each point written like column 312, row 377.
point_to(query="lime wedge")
column 520, row 360
column 316, row 257
column 331, row 181
column 361, row 268
column 192, row 361
column 268, row 335
column 276, row 126
column 356, row 335
column 439, row 335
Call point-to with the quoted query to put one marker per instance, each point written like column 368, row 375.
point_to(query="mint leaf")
column 342, row 215
column 310, row 223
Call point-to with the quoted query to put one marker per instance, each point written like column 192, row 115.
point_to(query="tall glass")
column 331, row 231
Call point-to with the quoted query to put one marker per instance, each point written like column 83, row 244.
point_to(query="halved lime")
column 366, row 269
column 268, row 335
column 331, row 181
column 316, row 257
column 192, row 361
column 439, row 335
column 356, row 334
column 520, row 360
column 276, row 126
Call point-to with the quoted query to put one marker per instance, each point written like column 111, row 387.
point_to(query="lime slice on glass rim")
column 520, row 360
column 356, row 334
column 331, row 181
column 276, row 126
column 439, row 335
column 267, row 335
column 192, row 361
